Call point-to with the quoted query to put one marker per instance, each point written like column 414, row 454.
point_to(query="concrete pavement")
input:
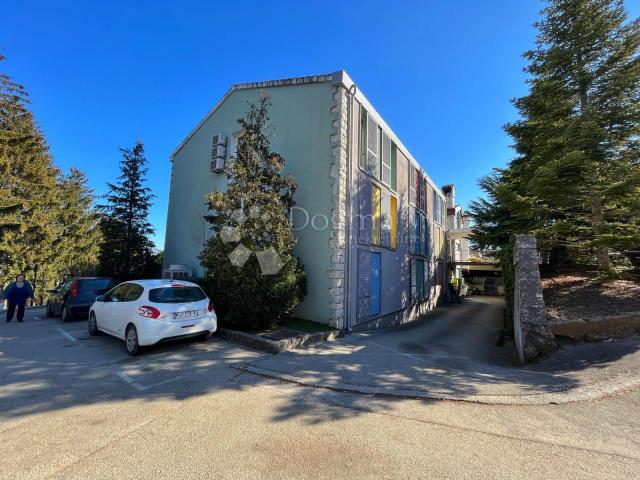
column 451, row 354
column 182, row 411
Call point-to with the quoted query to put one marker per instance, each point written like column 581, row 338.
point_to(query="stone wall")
column 338, row 174
column 531, row 327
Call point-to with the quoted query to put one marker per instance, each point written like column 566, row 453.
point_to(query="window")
column 233, row 154
column 95, row 284
column 377, row 214
column 419, row 193
column 133, row 293
column 66, row 285
column 364, row 209
column 435, row 206
column 394, row 167
column 176, row 295
column 375, row 217
column 412, row 185
column 417, row 232
column 426, row 237
column 363, row 139
column 423, row 197
column 386, row 159
column 118, row 294
column 373, row 165
column 369, row 144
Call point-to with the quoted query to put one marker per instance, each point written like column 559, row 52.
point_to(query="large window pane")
column 386, row 159
column 394, row 167
column 363, row 138
column 417, row 233
column 412, row 184
column 373, row 166
column 364, row 209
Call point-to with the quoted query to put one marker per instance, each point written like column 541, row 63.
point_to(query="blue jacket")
column 7, row 294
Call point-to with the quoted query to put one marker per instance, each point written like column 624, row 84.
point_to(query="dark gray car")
column 74, row 296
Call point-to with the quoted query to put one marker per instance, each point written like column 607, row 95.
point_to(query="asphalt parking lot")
column 78, row 407
column 49, row 364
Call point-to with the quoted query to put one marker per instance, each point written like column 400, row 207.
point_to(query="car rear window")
column 176, row 295
column 95, row 284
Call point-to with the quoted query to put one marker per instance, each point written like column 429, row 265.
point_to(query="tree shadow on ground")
column 42, row 370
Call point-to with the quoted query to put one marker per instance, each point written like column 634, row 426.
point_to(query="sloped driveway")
column 452, row 354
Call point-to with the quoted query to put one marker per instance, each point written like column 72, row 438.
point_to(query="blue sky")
column 101, row 74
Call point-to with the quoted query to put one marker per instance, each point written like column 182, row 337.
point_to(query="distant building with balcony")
column 481, row 275
column 458, row 230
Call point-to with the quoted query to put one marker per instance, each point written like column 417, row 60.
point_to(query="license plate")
column 187, row 314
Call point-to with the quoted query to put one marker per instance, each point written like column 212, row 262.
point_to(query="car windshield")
column 95, row 284
column 176, row 295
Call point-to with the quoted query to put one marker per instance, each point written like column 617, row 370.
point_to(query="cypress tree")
column 253, row 276
column 127, row 251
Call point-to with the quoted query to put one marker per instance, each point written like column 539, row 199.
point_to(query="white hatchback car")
column 145, row 312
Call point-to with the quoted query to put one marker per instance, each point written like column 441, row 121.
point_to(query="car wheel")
column 131, row 341
column 49, row 311
column 93, row 325
column 66, row 314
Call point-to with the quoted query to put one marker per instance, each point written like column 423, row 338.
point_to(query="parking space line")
column 169, row 380
column 67, row 334
column 141, row 388
column 130, row 381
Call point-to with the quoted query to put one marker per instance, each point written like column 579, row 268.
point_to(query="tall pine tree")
column 576, row 179
column 29, row 201
column 81, row 238
column 127, row 251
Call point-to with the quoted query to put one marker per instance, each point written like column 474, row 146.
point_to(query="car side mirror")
column 100, row 298
column 114, row 299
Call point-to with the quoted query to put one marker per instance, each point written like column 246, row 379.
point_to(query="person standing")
column 16, row 294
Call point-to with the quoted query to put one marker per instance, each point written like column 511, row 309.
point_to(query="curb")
column 580, row 330
column 595, row 391
column 276, row 346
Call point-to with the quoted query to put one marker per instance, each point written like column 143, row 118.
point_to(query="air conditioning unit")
column 219, row 151
column 217, row 165
column 219, row 139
